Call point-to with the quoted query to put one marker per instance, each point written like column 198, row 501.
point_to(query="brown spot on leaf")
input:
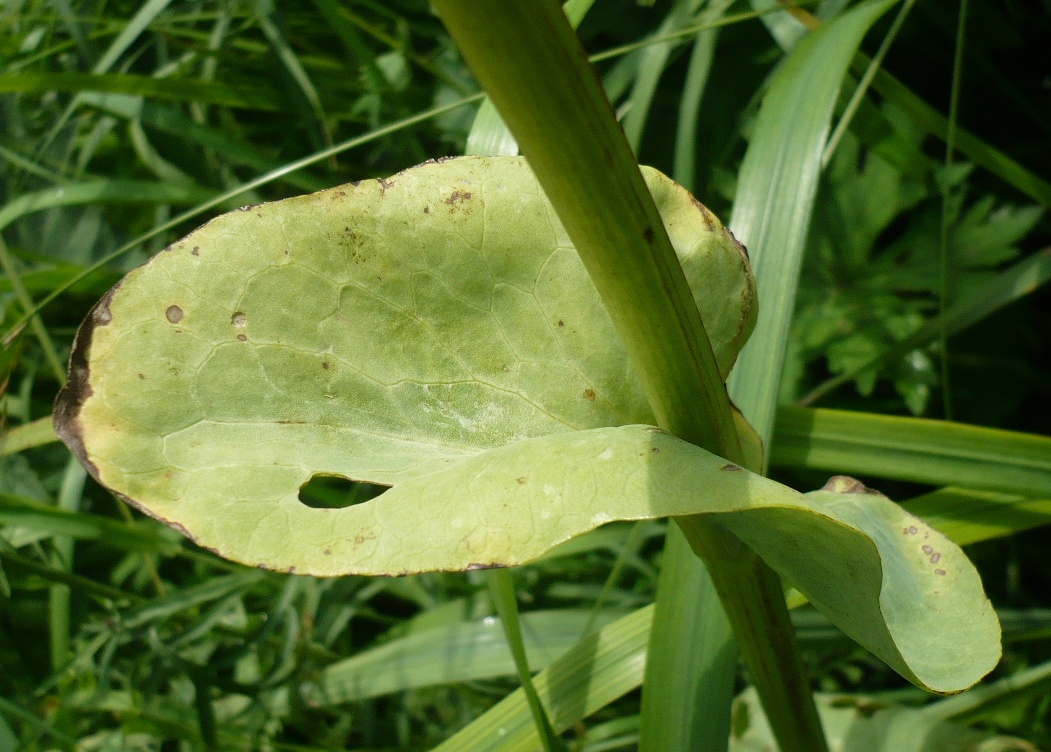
column 561, row 322
column 196, row 250
column 522, row 481
column 142, row 377
column 936, row 557
column 656, row 450
column 426, row 210
column 328, row 552
column 325, row 365
column 730, row 468
column 458, row 196
column 940, row 572
column 238, row 319
column 589, row 395
column 174, row 314
column 473, row 566
column 242, row 337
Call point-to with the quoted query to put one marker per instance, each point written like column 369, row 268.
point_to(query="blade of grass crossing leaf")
column 778, row 150
column 502, row 589
column 913, row 449
column 603, row 667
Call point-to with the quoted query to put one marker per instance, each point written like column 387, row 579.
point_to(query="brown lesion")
column 458, row 196
column 75, row 393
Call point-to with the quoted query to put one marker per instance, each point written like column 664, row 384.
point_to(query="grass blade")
column 502, row 590
column 914, row 449
column 775, row 196
column 603, row 667
column 447, row 654
column 968, row 516
column 249, row 97
column 36, row 433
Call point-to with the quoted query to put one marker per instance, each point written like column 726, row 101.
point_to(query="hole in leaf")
column 335, row 492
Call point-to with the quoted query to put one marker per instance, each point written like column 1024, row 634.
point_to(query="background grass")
column 124, row 125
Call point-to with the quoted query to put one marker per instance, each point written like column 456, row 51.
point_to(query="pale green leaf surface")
column 376, row 332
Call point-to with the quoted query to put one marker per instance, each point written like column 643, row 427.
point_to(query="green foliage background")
column 124, row 125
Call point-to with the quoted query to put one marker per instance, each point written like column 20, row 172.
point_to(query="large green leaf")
column 435, row 332
column 376, row 331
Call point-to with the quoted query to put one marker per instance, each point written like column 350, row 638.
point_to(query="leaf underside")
column 436, row 332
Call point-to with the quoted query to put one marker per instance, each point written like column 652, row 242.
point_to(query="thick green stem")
column 534, row 69
column 754, row 600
